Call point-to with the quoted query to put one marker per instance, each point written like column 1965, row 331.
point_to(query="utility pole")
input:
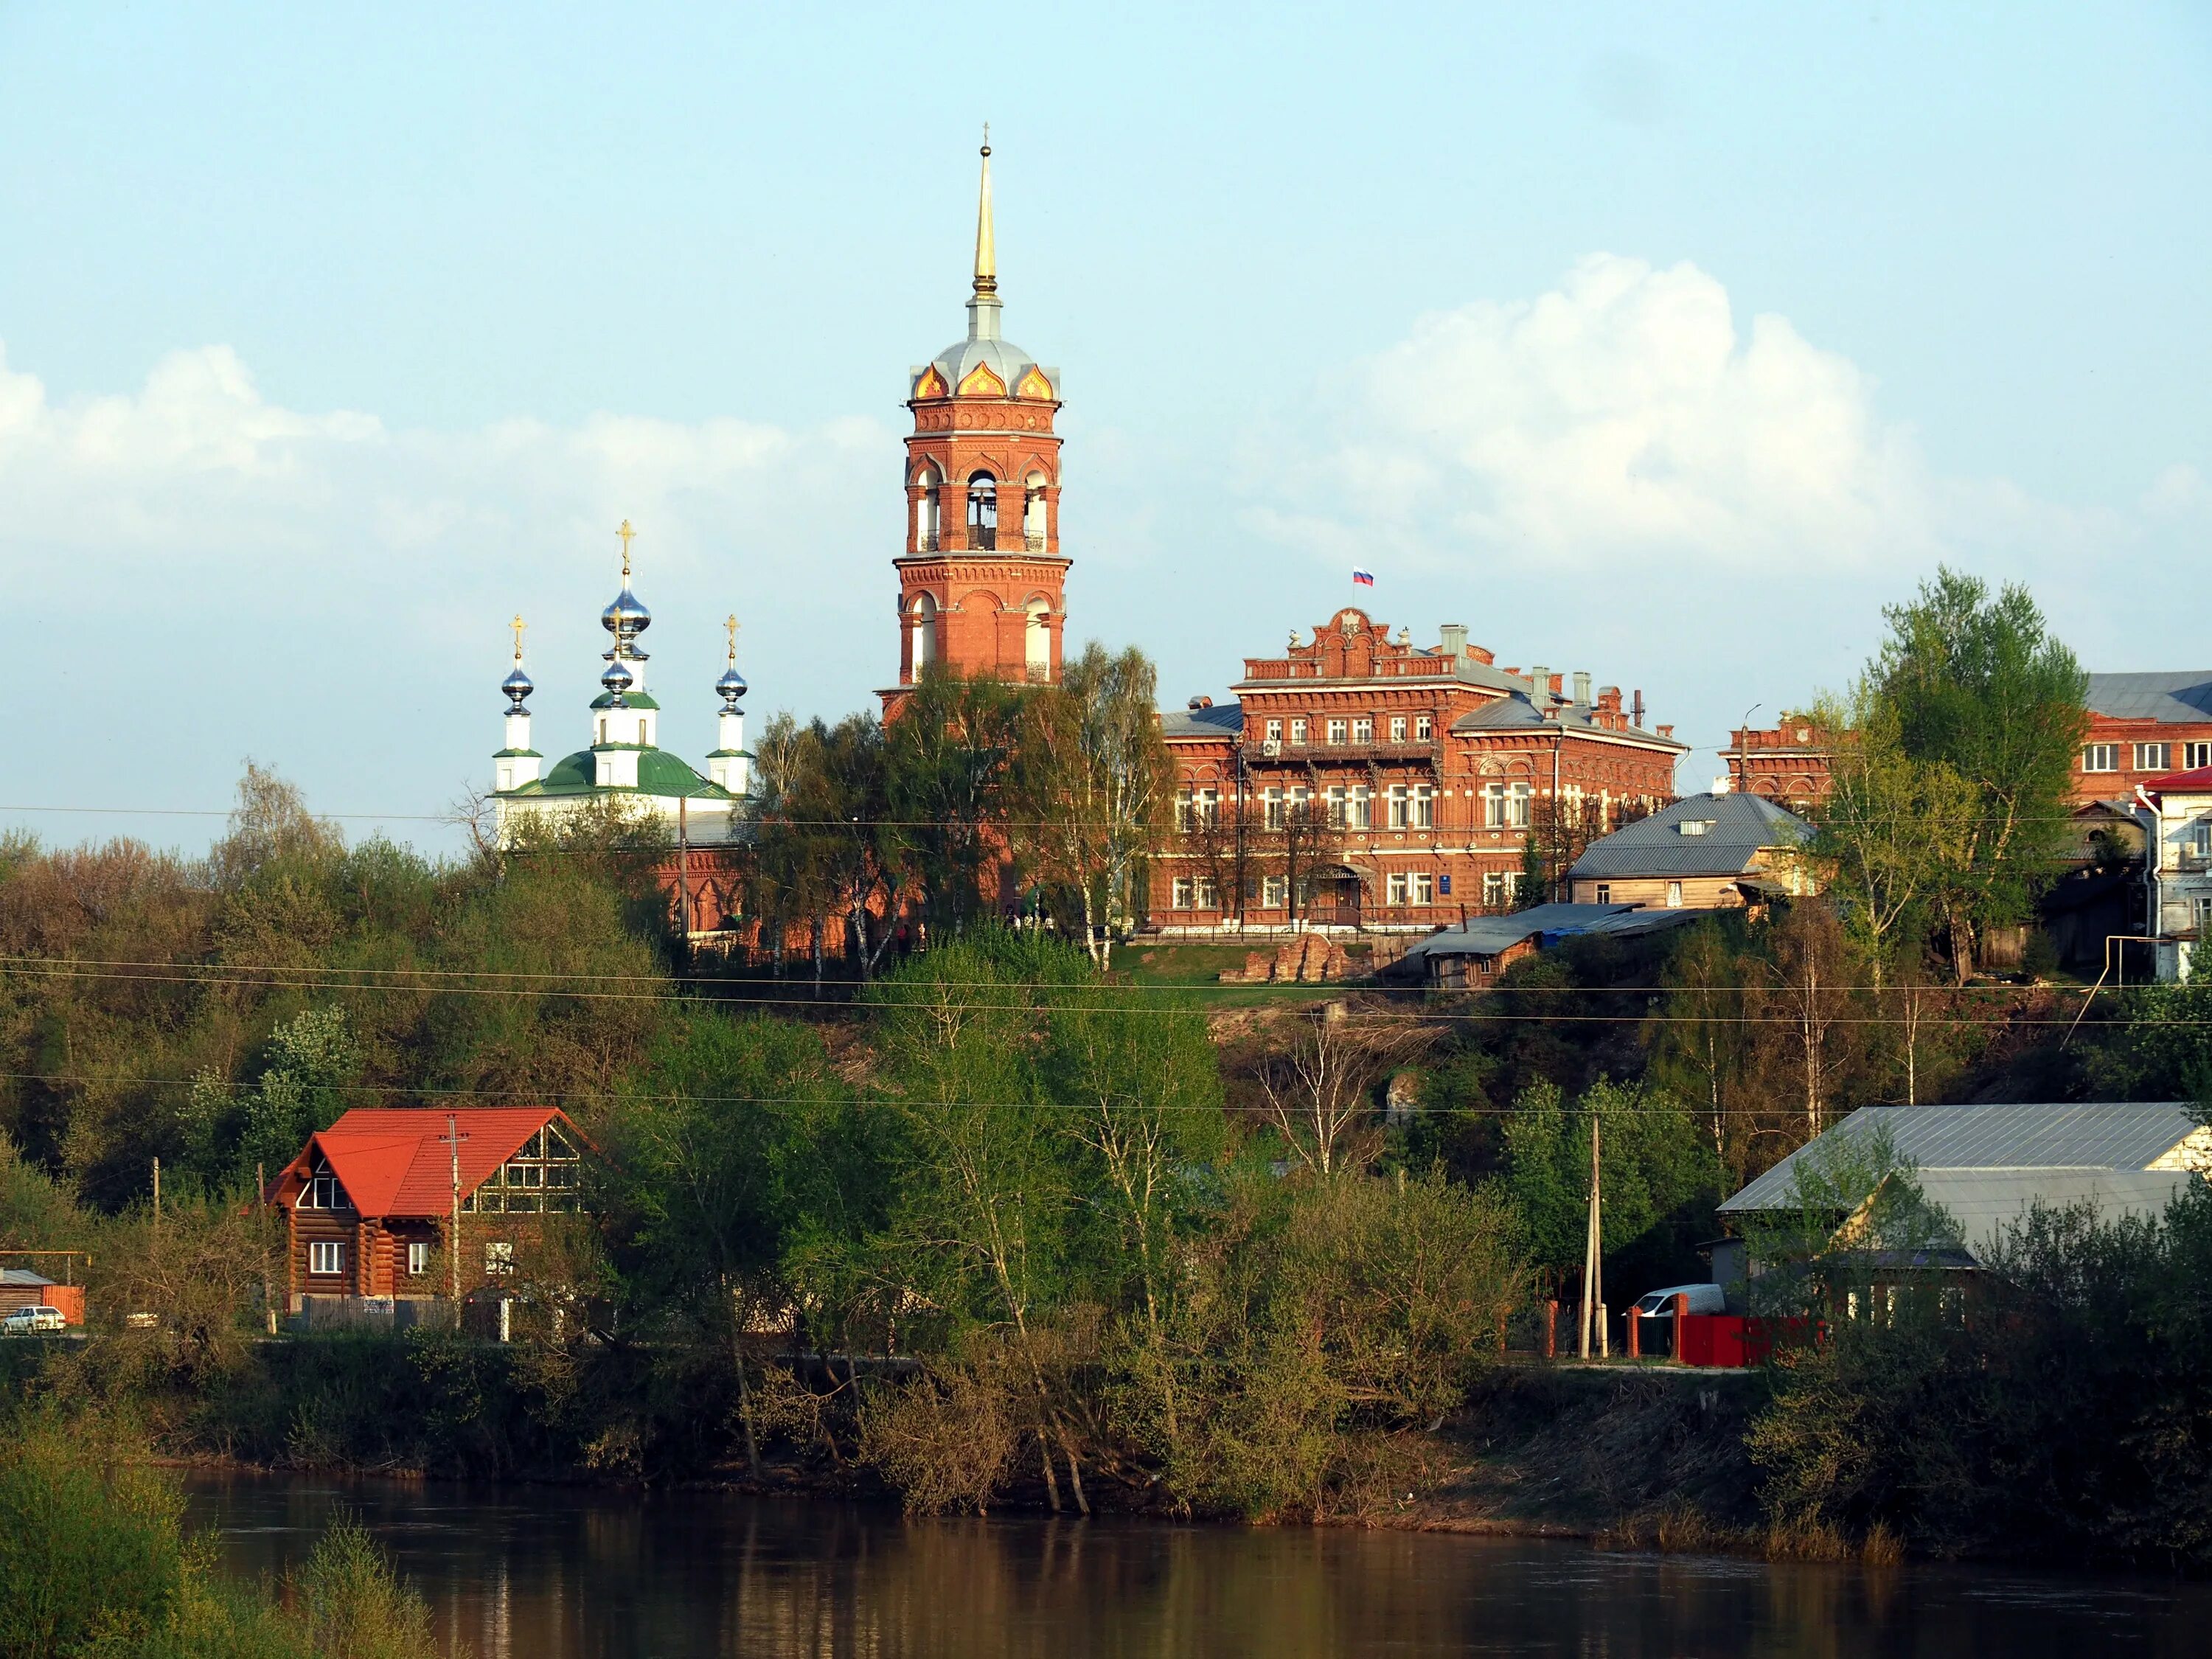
column 1592, row 1308
column 454, row 1138
column 261, row 1194
column 1742, row 749
column 157, row 1194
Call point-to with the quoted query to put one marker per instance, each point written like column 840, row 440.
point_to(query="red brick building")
column 1428, row 764
column 982, row 581
column 368, row 1203
column 1787, row 763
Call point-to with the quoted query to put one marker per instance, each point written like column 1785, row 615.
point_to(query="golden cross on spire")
column 731, row 624
column 518, row 625
column 625, row 532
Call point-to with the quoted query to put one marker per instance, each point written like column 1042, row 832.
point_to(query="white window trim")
column 324, row 1250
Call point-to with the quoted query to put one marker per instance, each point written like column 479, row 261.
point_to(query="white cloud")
column 1621, row 413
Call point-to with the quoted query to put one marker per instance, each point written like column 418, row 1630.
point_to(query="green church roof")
column 631, row 700
column 658, row 773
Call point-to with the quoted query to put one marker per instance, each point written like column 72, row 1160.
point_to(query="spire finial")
column 518, row 625
column 987, row 257
column 730, row 623
column 625, row 532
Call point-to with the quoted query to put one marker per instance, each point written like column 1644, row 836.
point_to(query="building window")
column 322, row 1191
column 1400, row 810
column 1180, row 893
column 1274, row 730
column 2196, row 838
column 1421, row 728
column 1425, row 888
column 499, row 1257
column 2203, row 908
column 1425, row 807
column 1673, row 895
column 418, row 1258
column 1275, row 892
column 1363, row 807
column 1693, row 826
column 1205, row 894
column 325, row 1258
column 1394, row 887
column 1517, row 806
column 1338, row 798
column 1362, row 729
column 1205, row 806
column 543, row 1175
column 1604, row 892
column 1493, row 888
column 1298, row 731
column 2100, row 757
column 1493, row 806
column 2152, row 757
column 1397, row 728
column 1271, row 808
column 603, row 729
column 2194, row 754
column 1182, row 810
column 1336, row 733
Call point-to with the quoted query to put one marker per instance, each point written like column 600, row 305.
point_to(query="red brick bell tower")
column 982, row 581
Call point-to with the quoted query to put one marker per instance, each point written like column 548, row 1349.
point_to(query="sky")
column 1671, row 344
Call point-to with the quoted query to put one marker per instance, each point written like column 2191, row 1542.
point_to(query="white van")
column 1702, row 1299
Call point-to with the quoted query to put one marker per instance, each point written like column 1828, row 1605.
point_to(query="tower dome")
column 516, row 687
column 985, row 364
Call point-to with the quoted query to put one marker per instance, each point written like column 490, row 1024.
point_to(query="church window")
column 602, row 728
column 1036, row 641
column 641, row 734
column 983, row 512
column 925, row 631
column 1033, row 512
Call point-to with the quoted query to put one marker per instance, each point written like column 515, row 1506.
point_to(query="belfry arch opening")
column 983, row 512
column 1036, row 640
column 922, row 628
column 1033, row 534
column 929, row 485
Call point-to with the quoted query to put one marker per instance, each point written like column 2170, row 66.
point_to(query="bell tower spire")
column 983, row 308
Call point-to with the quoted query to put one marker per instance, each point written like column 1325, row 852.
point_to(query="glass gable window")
column 322, row 1190
column 542, row 1177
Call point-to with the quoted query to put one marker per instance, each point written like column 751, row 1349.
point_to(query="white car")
column 1702, row 1299
column 25, row 1321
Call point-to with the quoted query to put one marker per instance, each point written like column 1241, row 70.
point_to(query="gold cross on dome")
column 731, row 624
column 625, row 532
column 518, row 625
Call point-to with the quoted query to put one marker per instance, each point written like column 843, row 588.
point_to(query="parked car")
column 28, row 1322
column 1704, row 1299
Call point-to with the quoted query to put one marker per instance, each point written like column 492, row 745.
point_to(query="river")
column 529, row 1572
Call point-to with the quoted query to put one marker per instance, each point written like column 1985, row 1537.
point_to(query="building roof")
column 396, row 1161
column 2196, row 782
column 1738, row 828
column 2100, row 1135
column 2180, row 697
column 1485, row 936
column 1221, row 720
column 1986, row 1202
column 658, row 773
column 1516, row 712
column 23, row 1279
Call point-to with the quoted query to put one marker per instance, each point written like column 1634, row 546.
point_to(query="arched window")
column 925, row 510
column 602, row 728
column 1033, row 512
column 1036, row 640
column 983, row 512
column 924, row 627
column 641, row 734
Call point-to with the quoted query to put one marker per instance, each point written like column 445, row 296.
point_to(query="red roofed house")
column 370, row 1201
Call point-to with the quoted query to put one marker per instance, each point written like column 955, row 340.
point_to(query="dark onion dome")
column 730, row 687
column 618, row 680
column 626, row 616
column 516, row 686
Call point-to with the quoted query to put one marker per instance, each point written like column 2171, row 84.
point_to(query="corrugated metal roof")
column 2098, row 1135
column 1221, row 720
column 23, row 1279
column 1984, row 1202
column 1517, row 713
column 2182, row 696
column 1485, row 936
column 1738, row 827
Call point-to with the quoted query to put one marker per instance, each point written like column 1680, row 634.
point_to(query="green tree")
column 949, row 758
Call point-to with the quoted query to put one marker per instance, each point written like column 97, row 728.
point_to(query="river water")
column 522, row 1572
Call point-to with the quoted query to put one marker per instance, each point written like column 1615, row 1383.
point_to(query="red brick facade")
column 1787, row 764
column 1429, row 764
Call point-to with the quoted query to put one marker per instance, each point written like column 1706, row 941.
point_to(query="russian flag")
column 1363, row 578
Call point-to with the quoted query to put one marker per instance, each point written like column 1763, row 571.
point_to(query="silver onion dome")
column 515, row 686
column 729, row 688
column 626, row 616
column 618, row 680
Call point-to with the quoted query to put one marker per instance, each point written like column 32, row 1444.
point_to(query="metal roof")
column 2090, row 1135
column 1516, row 712
column 1738, row 826
column 396, row 1161
column 1984, row 1202
column 2183, row 697
column 1218, row 720
column 23, row 1279
column 1485, row 936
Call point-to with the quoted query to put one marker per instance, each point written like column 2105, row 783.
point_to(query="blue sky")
column 1667, row 343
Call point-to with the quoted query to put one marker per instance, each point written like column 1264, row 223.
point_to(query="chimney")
column 1540, row 685
column 1454, row 638
column 1582, row 686
column 1636, row 710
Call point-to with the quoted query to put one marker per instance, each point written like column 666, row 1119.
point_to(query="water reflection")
column 546, row 1573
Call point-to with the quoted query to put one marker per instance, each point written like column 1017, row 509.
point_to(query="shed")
column 22, row 1288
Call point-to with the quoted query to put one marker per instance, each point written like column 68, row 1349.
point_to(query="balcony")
column 1425, row 752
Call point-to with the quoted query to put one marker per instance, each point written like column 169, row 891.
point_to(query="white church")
column 625, row 764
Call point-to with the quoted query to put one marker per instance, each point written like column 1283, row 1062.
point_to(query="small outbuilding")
column 1706, row 853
